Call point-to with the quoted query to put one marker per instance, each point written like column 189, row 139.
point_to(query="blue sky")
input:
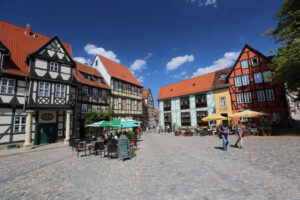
column 162, row 41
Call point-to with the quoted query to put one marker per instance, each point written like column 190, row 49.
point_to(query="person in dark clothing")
column 224, row 131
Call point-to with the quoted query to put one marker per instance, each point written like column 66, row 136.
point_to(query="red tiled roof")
column 221, row 82
column 91, row 71
column 20, row 45
column 188, row 86
column 156, row 114
column 145, row 93
column 119, row 71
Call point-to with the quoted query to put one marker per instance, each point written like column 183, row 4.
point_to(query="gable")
column 55, row 50
column 3, row 48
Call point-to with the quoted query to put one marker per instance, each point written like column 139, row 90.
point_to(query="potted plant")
column 178, row 131
column 188, row 132
column 132, row 137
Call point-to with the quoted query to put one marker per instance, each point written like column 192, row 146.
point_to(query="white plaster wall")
column 161, row 120
column 20, row 91
column 102, row 70
column 6, row 99
column 21, row 83
column 53, row 74
column 41, row 64
column 40, row 72
column 18, row 137
column 65, row 69
column 5, row 139
column 65, row 76
column 4, row 128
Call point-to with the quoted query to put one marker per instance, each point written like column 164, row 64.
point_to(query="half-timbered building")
column 251, row 87
column 37, row 89
column 148, row 119
column 126, row 90
column 93, row 95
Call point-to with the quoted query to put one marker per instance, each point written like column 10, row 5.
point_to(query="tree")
column 286, row 62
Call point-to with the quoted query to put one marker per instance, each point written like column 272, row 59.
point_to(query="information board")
column 123, row 144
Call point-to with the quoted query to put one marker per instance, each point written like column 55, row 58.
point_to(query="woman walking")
column 224, row 131
column 239, row 133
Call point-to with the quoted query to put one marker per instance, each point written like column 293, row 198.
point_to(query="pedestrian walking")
column 224, row 131
column 158, row 129
column 240, row 135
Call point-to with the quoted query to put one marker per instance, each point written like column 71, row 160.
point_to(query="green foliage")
column 231, row 122
column 188, row 130
column 132, row 135
column 286, row 63
column 91, row 117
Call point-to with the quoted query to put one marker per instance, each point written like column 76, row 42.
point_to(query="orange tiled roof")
column 91, row 71
column 188, row 86
column 119, row 71
column 221, row 82
column 20, row 45
column 145, row 93
column 156, row 114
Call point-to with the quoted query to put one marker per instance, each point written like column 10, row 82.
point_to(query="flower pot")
column 177, row 133
column 188, row 134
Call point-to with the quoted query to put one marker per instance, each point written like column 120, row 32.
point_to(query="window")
column 237, row 81
column 201, row 100
column 132, row 105
column 200, row 115
column 99, row 80
column 19, row 124
column 244, row 64
column 168, row 119
column 258, row 77
column 124, row 87
column 140, row 106
column 222, row 101
column 132, row 89
column 123, row 104
column 222, row 76
column 261, row 96
column 116, row 104
column 96, row 64
column 116, row 85
column 54, row 66
column 95, row 92
column 102, row 108
column 247, row 97
column 245, row 80
column 239, row 98
column 185, row 119
column 167, row 105
column 94, row 108
column 184, row 103
column 84, row 108
column 44, row 89
column 254, row 62
column 267, row 76
column 7, row 86
column 270, row 95
column 275, row 118
column 103, row 94
column 60, row 91
column 139, row 91
column 85, row 90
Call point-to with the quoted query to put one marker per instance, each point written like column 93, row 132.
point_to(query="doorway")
column 46, row 133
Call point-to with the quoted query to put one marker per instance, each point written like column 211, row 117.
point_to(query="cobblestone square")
column 165, row 167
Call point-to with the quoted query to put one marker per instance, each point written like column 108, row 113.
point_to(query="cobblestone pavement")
column 166, row 167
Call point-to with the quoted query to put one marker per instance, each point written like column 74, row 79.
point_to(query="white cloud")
column 81, row 59
column 177, row 61
column 226, row 61
column 204, row 2
column 138, row 65
column 180, row 75
column 211, row 2
column 140, row 79
column 93, row 50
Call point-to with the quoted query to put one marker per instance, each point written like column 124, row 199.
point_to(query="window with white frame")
column 44, row 89
column 102, row 108
column 132, row 89
column 60, row 91
column 103, row 94
column 258, row 77
column 123, row 104
column 275, row 118
column 132, row 105
column 270, row 95
column 140, row 106
column 7, row 86
column 244, row 64
column 95, row 92
column 54, row 66
column 124, row 87
column 254, row 62
column 245, row 80
column 239, row 98
column 247, row 97
column 85, row 90
column 267, row 76
column 116, row 85
column 237, row 81
column 261, row 96
column 116, row 104
column 94, row 108
column 19, row 124
column 84, row 108
column 222, row 101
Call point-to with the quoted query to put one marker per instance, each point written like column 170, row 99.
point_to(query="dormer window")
column 254, row 62
column 99, row 80
column 222, row 76
column 96, row 64
column 54, row 66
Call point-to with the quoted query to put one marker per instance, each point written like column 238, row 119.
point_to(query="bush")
column 132, row 135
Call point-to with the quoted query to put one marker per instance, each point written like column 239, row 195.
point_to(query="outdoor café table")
column 91, row 145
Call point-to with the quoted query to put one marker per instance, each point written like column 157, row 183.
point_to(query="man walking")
column 239, row 133
column 224, row 131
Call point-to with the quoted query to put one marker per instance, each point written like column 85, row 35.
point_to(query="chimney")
column 27, row 29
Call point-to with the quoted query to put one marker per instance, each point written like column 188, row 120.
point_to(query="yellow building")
column 222, row 95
